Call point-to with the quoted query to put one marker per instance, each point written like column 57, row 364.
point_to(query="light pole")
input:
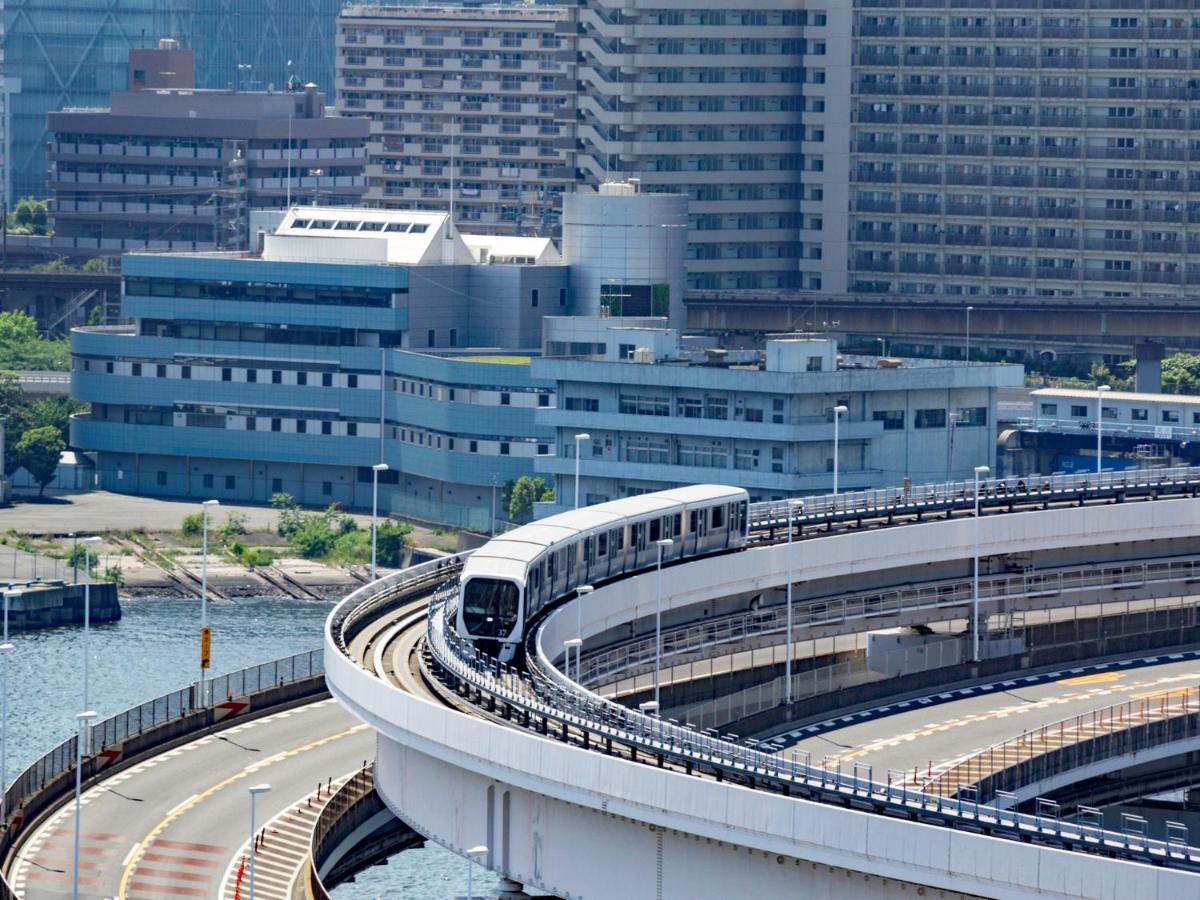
column 1101, row 390
column 788, row 691
column 579, row 439
column 493, row 523
column 205, row 631
column 254, row 792
column 882, row 346
column 968, row 356
column 88, row 544
column 480, row 850
column 82, row 720
column 74, row 560
column 838, row 412
column 291, row 110
column 663, row 545
column 375, row 470
column 952, row 418
column 979, row 470
column 5, row 649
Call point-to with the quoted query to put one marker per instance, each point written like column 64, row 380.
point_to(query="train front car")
column 489, row 612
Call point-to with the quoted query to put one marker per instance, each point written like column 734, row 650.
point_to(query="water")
column 155, row 649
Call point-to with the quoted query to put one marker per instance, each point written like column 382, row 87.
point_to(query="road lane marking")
column 129, row 855
column 129, row 867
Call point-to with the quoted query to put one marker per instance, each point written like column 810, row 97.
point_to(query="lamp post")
column 979, row 470
column 882, row 346
column 1101, row 390
column 968, row 356
column 952, row 418
column 480, row 850
column 838, row 412
column 579, row 439
column 663, row 545
column 5, row 649
column 375, row 470
column 291, row 110
column 82, row 720
column 205, row 632
column 254, row 792
column 788, row 691
column 88, row 544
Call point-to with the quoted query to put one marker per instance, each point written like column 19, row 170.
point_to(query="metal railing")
column 1069, row 743
column 276, row 673
column 890, row 602
column 344, row 801
column 544, row 694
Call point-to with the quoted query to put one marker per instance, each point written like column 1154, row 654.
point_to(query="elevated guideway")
column 542, row 768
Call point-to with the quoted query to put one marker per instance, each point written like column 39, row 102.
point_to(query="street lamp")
column 1101, row 390
column 568, row 645
column 480, row 850
column 953, row 419
column 838, row 412
column 882, row 346
column 82, row 720
column 205, row 632
column 254, row 792
column 375, row 470
column 979, row 470
column 788, row 692
column 5, row 649
column 88, row 543
column 579, row 439
column 969, row 308
column 663, row 545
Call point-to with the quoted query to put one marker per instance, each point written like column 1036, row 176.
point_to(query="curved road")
column 172, row 826
column 931, row 737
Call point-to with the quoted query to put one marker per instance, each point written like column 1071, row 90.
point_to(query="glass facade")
column 73, row 53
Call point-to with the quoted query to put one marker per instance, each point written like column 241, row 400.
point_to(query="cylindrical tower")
column 626, row 251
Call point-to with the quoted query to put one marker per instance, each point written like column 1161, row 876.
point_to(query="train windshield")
column 490, row 607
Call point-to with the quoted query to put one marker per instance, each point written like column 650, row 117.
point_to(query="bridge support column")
column 510, row 890
column 1148, row 374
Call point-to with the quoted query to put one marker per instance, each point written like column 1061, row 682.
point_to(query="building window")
column 252, row 375
column 352, row 429
column 227, row 374
column 276, row 485
column 352, row 381
column 302, row 379
column 474, row 447
column 301, row 426
column 505, row 398
column 326, row 488
column 1049, row 409
column 892, row 419
column 326, row 379
column 972, row 415
column 754, row 415
column 562, row 296
column 638, row 405
column 160, row 478
column 230, row 482
column 326, row 427
column 160, row 371
column 814, row 364
column 207, row 479
column 1078, row 411
column 185, row 372
column 543, row 400
column 930, row 418
column 533, row 297
column 1170, row 416
column 453, row 337
column 1196, row 418
column 431, row 338
column 251, row 423
column 137, row 368
column 504, row 448
column 543, row 450
column 582, row 404
column 1140, row 415
column 277, row 424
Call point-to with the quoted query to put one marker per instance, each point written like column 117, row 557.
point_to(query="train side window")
column 639, row 535
column 718, row 516
column 676, row 524
column 550, row 567
column 587, row 550
column 571, row 556
column 692, row 524
column 618, row 539
column 655, row 530
column 601, row 545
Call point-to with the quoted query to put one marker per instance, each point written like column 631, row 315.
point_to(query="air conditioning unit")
column 643, row 355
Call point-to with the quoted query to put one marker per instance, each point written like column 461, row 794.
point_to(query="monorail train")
column 508, row 580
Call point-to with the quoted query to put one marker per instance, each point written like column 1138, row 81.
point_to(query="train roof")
column 704, row 493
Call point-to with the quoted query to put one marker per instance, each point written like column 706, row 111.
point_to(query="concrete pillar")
column 1148, row 377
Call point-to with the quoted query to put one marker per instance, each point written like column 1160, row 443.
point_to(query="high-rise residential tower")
column 1015, row 148
column 464, row 103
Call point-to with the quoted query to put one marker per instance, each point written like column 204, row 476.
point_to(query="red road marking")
column 171, row 874
column 64, row 831
column 151, row 856
column 173, row 891
column 64, row 858
column 69, row 848
column 185, row 845
column 40, row 875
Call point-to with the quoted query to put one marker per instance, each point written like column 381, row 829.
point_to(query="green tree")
column 38, row 451
column 95, row 316
column 21, row 347
column 30, row 216
column 54, row 412
column 95, row 264
column 1181, row 374
column 390, row 540
column 192, row 525
column 524, row 494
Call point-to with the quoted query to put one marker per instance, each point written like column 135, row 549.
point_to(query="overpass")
column 1020, row 326
column 676, row 803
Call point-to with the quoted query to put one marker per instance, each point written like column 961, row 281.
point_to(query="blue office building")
column 71, row 54
column 345, row 342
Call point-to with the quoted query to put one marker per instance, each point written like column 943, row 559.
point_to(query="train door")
column 701, row 530
column 572, row 568
column 589, row 545
column 639, row 544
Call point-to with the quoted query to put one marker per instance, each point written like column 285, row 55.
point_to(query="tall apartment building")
column 464, row 101
column 730, row 106
column 72, row 53
column 1005, row 148
column 170, row 167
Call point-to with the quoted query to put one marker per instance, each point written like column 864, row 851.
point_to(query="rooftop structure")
column 169, row 166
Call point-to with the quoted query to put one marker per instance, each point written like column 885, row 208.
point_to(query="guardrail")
column 46, row 780
column 1071, row 743
column 347, row 798
column 888, row 602
column 536, row 700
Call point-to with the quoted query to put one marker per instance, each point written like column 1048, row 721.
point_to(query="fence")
column 256, row 678
column 1073, row 742
column 346, row 801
